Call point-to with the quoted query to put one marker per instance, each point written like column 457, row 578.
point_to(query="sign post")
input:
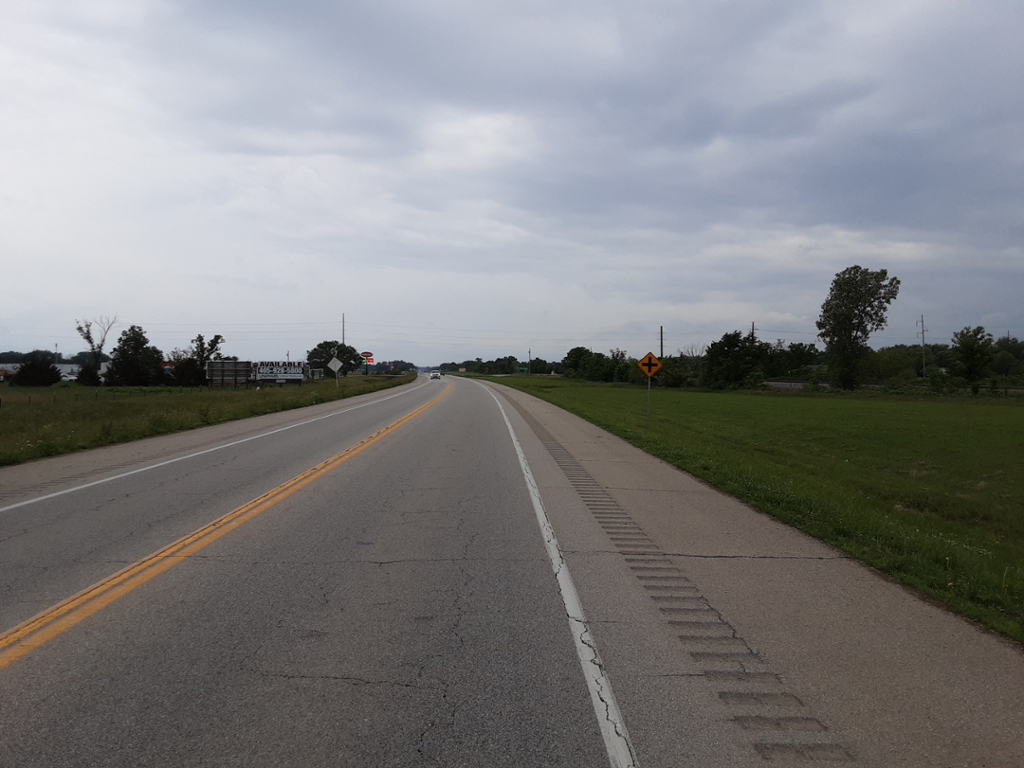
column 367, row 359
column 334, row 365
column 649, row 365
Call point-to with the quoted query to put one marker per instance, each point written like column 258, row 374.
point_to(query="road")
column 423, row 576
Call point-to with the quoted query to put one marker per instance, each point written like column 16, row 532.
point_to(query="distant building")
column 68, row 371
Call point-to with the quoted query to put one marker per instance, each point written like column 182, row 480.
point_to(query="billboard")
column 278, row 371
column 223, row 373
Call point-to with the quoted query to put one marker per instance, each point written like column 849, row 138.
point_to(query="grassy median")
column 930, row 491
column 39, row 422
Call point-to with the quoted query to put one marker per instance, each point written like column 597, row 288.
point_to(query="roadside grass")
column 929, row 491
column 40, row 422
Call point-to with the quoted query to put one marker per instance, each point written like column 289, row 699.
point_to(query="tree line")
column 855, row 308
column 502, row 366
column 135, row 362
column 132, row 362
column 741, row 360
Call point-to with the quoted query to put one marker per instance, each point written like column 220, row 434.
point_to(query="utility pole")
column 924, row 373
column 342, row 327
column 662, row 341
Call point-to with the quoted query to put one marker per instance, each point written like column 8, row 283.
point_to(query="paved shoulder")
column 756, row 641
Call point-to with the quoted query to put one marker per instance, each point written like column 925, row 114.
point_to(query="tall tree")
column 325, row 351
column 540, row 365
column 855, row 308
column 575, row 362
column 1009, row 356
column 190, row 365
column 205, row 351
column 973, row 350
column 94, row 332
column 735, row 360
column 134, row 362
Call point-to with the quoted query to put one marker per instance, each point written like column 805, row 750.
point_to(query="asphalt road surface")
column 455, row 574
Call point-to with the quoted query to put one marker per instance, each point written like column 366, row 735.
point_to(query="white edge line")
column 613, row 728
column 205, row 451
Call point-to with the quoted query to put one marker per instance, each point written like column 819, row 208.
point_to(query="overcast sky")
column 479, row 178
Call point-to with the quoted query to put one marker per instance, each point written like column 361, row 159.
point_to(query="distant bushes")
column 36, row 371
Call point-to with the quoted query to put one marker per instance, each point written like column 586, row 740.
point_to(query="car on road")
column 435, row 374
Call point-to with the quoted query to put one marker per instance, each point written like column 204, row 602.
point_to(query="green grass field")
column 930, row 491
column 39, row 422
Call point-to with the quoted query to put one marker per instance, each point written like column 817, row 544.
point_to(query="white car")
column 435, row 374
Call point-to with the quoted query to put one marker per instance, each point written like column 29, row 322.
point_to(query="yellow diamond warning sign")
column 650, row 364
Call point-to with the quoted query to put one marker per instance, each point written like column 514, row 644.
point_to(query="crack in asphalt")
column 323, row 591
column 14, row 535
column 756, row 557
column 345, row 679
column 669, row 675
column 687, row 556
column 613, row 730
column 585, row 639
column 460, row 593
column 600, row 678
column 349, row 561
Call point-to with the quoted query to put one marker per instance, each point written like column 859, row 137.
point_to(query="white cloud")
column 454, row 140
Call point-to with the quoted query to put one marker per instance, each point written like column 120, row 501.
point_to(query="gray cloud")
column 537, row 170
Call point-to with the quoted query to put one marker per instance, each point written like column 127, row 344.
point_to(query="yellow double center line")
column 42, row 628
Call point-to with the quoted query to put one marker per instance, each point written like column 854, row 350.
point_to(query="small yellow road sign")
column 650, row 364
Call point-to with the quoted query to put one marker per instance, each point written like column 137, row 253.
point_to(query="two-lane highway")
column 399, row 609
column 456, row 574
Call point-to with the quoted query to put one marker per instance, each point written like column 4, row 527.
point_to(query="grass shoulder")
column 40, row 422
